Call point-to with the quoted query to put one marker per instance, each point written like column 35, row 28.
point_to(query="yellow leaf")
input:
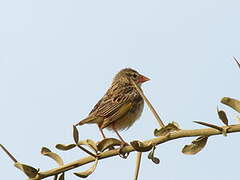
column 89, row 171
column 233, row 103
column 30, row 171
column 222, row 115
column 46, row 152
column 171, row 127
column 140, row 146
column 107, row 143
column 196, row 146
column 65, row 147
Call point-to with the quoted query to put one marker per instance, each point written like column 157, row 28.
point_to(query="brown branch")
column 155, row 141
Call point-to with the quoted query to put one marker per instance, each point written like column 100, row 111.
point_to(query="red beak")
column 143, row 79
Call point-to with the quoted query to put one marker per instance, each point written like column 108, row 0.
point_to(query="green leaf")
column 30, row 171
column 64, row 147
column 152, row 157
column 107, row 143
column 141, row 147
column 222, row 115
column 196, row 146
column 75, row 134
column 89, row 171
column 47, row 152
column 171, row 127
column 233, row 103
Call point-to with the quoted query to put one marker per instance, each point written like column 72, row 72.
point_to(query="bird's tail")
column 85, row 121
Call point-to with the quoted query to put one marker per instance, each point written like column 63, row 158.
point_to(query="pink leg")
column 118, row 135
column 101, row 131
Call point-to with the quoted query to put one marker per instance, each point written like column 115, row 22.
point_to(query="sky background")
column 57, row 58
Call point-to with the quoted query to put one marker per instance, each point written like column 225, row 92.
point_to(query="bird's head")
column 126, row 74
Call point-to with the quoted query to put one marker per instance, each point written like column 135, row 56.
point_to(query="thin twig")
column 209, row 125
column 159, row 140
column 9, row 154
column 138, row 162
column 87, row 151
column 149, row 104
column 236, row 61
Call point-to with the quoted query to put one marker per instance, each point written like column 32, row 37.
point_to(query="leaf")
column 46, row 152
column 75, row 134
column 61, row 177
column 233, row 103
column 65, row 147
column 30, row 171
column 171, row 127
column 108, row 142
column 196, row 146
column 89, row 171
column 89, row 143
column 222, row 115
column 236, row 61
column 152, row 157
column 141, row 147
column 121, row 153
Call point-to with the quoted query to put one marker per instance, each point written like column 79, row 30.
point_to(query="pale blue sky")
column 57, row 58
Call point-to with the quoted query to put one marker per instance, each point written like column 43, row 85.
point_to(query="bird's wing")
column 110, row 106
column 113, row 106
column 119, row 112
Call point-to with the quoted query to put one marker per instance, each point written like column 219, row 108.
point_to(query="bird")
column 121, row 105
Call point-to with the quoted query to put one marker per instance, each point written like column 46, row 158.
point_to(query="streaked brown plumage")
column 121, row 106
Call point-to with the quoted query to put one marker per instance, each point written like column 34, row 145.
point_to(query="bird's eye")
column 134, row 76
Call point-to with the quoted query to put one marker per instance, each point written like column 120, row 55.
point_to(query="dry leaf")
column 152, row 157
column 61, row 177
column 171, row 127
column 75, row 134
column 233, row 103
column 89, row 143
column 46, row 152
column 30, row 171
column 140, row 146
column 89, row 171
column 121, row 153
column 65, row 147
column 222, row 115
column 196, row 146
column 107, row 143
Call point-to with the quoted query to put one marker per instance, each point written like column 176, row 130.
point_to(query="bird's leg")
column 101, row 131
column 124, row 142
